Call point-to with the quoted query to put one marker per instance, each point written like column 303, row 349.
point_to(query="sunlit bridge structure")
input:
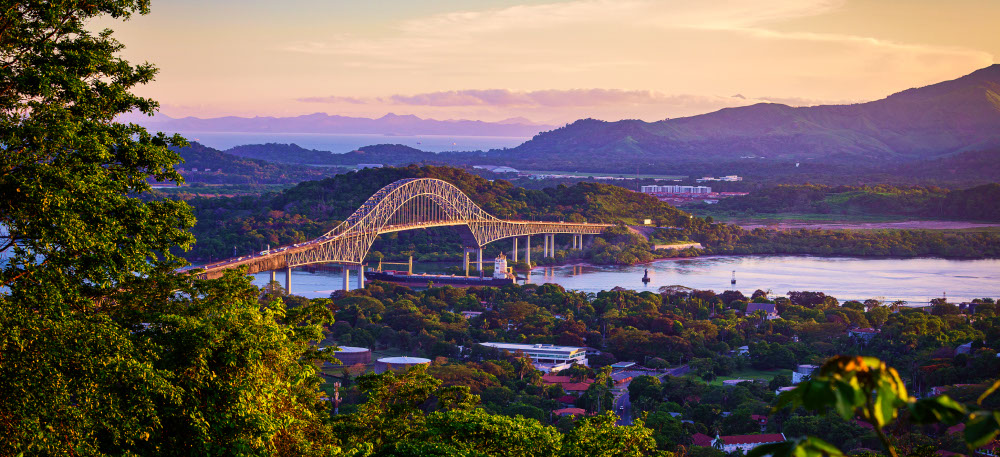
column 406, row 204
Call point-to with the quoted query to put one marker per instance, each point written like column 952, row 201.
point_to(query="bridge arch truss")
column 402, row 205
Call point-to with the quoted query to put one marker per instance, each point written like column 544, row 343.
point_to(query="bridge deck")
column 407, row 204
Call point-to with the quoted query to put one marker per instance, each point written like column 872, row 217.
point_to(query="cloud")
column 687, row 46
column 335, row 100
column 551, row 98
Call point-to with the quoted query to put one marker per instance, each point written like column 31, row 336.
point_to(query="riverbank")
column 915, row 280
column 794, row 224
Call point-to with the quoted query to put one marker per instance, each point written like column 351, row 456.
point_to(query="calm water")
column 913, row 280
column 342, row 142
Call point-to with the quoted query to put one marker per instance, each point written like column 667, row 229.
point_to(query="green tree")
column 105, row 349
column 599, row 435
column 867, row 387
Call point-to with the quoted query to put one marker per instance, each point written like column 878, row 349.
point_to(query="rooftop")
column 404, row 360
column 701, row 439
column 512, row 347
column 753, row 439
column 351, row 349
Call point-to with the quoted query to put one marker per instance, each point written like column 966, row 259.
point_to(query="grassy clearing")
column 587, row 174
column 972, row 230
column 751, row 374
column 802, row 217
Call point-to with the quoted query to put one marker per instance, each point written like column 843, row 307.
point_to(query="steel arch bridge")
column 402, row 205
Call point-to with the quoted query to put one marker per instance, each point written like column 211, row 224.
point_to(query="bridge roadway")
column 408, row 204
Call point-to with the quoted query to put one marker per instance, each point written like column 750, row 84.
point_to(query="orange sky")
column 549, row 61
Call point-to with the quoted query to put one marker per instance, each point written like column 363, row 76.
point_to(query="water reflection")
column 913, row 280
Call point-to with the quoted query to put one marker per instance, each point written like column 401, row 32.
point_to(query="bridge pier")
column 347, row 277
column 527, row 250
column 545, row 245
column 479, row 261
column 272, row 278
column 465, row 259
column 514, row 251
column 288, row 280
column 361, row 276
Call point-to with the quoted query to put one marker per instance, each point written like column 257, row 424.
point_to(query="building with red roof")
column 701, row 439
column 745, row 443
column 570, row 412
column 567, row 383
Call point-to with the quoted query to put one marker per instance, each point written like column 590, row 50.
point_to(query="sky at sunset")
column 548, row 61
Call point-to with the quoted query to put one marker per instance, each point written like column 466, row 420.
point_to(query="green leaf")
column 803, row 447
column 993, row 388
column 937, row 409
column 981, row 428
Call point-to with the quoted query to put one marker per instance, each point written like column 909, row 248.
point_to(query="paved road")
column 623, row 407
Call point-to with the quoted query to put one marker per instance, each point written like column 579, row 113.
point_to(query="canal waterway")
column 913, row 280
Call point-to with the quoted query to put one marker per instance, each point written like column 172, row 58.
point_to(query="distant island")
column 945, row 132
column 390, row 124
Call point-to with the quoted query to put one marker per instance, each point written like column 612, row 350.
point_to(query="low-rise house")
column 863, row 334
column 567, row 383
column 783, row 389
column 768, row 308
column 567, row 400
column 802, row 372
column 570, row 412
column 745, row 443
column 701, row 439
column 621, row 365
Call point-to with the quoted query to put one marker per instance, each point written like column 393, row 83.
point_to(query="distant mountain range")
column 950, row 129
column 390, row 124
column 916, row 124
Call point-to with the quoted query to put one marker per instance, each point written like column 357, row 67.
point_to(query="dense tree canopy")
column 104, row 350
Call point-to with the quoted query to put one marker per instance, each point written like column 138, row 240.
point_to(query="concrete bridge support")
column 288, row 280
column 527, row 250
column 514, row 251
column 479, row 261
column 361, row 276
column 465, row 260
column 272, row 277
column 347, row 277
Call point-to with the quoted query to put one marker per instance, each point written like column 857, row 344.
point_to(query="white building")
column 728, row 178
column 676, row 189
column 546, row 358
column 500, row 267
column 496, row 168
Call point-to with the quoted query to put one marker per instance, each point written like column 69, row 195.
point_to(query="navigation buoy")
column 734, row 278
column 645, row 277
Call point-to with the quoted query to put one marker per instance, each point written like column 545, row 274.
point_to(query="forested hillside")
column 203, row 164
column 311, row 208
column 975, row 203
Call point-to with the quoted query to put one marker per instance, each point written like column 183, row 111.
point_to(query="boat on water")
column 502, row 275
